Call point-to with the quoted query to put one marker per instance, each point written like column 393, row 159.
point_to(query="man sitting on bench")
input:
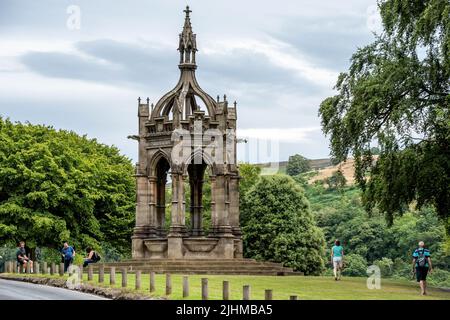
column 22, row 258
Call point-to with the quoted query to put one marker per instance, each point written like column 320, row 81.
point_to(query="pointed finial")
column 148, row 100
column 235, row 103
column 224, row 97
column 187, row 11
column 139, row 100
column 218, row 98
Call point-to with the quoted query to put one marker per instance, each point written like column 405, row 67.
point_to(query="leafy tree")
column 337, row 180
column 57, row 186
column 297, row 164
column 279, row 226
column 396, row 93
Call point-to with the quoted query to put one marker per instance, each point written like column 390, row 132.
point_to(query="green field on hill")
column 306, row 288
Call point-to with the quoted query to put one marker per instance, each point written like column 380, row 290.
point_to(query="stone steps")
column 202, row 266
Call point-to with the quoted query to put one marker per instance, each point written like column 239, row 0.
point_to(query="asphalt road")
column 17, row 290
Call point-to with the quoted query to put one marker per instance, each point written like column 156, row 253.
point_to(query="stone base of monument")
column 203, row 266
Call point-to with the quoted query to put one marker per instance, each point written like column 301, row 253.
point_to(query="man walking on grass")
column 422, row 265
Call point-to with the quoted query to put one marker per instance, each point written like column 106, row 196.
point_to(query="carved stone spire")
column 188, row 44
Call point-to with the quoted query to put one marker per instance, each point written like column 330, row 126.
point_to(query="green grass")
column 306, row 288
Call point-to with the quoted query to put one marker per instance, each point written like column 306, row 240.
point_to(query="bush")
column 48, row 255
column 386, row 266
column 355, row 266
column 439, row 278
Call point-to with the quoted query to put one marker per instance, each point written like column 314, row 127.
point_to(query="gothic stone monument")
column 186, row 132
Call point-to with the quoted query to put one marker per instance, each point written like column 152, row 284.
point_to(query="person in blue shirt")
column 337, row 259
column 422, row 265
column 68, row 254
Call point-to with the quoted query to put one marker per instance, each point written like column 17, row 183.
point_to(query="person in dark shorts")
column 22, row 258
column 422, row 265
column 92, row 257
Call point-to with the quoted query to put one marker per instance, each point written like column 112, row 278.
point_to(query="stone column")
column 142, row 217
column 177, row 227
column 222, row 228
column 160, row 192
column 196, row 209
column 221, row 205
column 213, row 228
column 234, row 205
column 234, row 215
column 152, row 210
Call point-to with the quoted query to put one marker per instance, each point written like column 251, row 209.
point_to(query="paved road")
column 17, row 290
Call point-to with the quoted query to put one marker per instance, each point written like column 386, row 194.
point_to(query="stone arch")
column 209, row 161
column 151, row 167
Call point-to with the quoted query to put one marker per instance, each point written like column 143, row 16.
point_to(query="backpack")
column 96, row 257
column 421, row 259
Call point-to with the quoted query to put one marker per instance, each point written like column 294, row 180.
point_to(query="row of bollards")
column 12, row 267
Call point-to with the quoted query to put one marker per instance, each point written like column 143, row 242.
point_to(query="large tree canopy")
column 278, row 225
column 57, row 186
column 396, row 95
column 297, row 164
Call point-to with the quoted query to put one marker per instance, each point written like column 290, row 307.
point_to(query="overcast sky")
column 278, row 59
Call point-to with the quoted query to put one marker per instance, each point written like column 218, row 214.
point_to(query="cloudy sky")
column 278, row 59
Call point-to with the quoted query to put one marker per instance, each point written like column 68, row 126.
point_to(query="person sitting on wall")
column 22, row 258
column 92, row 257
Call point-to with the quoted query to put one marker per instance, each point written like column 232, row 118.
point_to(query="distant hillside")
column 314, row 163
column 323, row 167
column 347, row 168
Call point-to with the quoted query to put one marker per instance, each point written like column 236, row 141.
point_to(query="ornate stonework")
column 186, row 132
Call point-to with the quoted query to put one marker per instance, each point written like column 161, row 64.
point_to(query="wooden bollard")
column 268, row 294
column 246, row 292
column 90, row 273
column 80, row 272
column 44, row 268
column 152, row 282
column 28, row 267
column 53, row 268
column 204, row 288
column 112, row 276
column 185, row 286
column 226, row 290
column 14, row 269
column 293, row 298
column 138, row 280
column 168, row 284
column 101, row 273
column 36, row 267
column 61, row 269
column 124, row 277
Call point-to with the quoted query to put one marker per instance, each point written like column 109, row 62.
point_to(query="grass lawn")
column 305, row 288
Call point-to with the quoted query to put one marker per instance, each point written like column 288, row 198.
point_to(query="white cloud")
column 279, row 53
column 278, row 134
